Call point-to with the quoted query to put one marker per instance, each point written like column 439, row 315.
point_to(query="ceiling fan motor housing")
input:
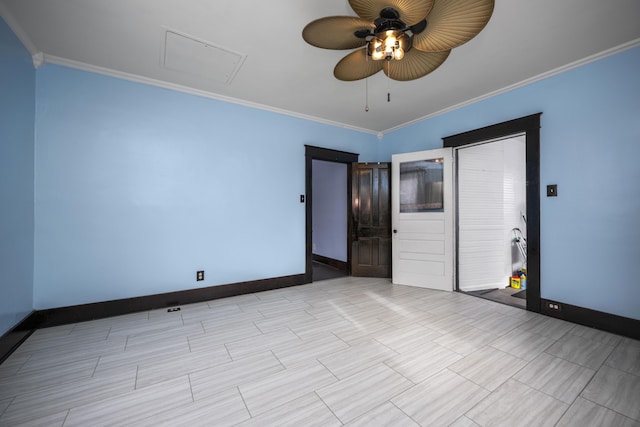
column 389, row 13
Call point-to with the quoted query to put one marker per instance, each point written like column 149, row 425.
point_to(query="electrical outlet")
column 172, row 309
column 200, row 275
column 554, row 306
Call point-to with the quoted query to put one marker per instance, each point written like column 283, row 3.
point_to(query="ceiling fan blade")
column 414, row 65
column 336, row 32
column 452, row 23
column 356, row 65
column 411, row 11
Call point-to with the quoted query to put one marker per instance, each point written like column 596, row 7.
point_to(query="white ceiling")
column 523, row 40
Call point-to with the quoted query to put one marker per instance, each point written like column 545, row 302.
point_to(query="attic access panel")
column 201, row 58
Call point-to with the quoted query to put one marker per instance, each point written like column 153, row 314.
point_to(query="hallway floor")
column 325, row 272
column 349, row 351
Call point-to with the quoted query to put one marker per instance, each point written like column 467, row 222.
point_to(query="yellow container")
column 515, row 282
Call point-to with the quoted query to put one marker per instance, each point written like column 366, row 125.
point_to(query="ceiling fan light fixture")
column 375, row 49
column 390, row 41
column 392, row 46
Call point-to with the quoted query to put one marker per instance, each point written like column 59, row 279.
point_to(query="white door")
column 422, row 219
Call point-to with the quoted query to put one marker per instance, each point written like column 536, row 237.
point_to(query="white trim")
column 180, row 88
column 559, row 70
column 38, row 59
column 17, row 29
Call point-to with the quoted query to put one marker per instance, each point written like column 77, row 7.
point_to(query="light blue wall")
column 138, row 187
column 17, row 110
column 590, row 147
column 330, row 199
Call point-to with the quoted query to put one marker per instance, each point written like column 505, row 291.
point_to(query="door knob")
column 395, row 231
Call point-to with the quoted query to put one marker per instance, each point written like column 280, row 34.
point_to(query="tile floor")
column 349, row 351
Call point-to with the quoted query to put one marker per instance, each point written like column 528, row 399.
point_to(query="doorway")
column 529, row 126
column 334, row 156
column 329, row 228
column 491, row 220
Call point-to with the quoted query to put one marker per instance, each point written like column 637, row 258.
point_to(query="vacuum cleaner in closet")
column 519, row 279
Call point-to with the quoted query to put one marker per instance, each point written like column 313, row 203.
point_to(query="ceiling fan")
column 407, row 39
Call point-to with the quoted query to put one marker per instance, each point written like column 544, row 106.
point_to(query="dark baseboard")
column 595, row 319
column 99, row 310
column 16, row 336
column 81, row 313
column 340, row 265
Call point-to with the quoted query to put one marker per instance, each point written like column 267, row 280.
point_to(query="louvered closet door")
column 491, row 203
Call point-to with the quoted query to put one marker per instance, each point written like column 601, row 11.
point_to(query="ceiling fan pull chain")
column 388, row 90
column 366, row 91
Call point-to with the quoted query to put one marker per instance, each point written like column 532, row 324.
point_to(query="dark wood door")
column 371, row 220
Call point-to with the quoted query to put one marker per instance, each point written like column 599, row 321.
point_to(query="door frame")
column 318, row 153
column 530, row 127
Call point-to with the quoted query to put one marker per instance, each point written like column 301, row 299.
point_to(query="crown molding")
column 38, row 59
column 17, row 29
column 50, row 59
column 556, row 71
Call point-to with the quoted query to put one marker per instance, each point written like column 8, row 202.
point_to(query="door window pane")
column 421, row 186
